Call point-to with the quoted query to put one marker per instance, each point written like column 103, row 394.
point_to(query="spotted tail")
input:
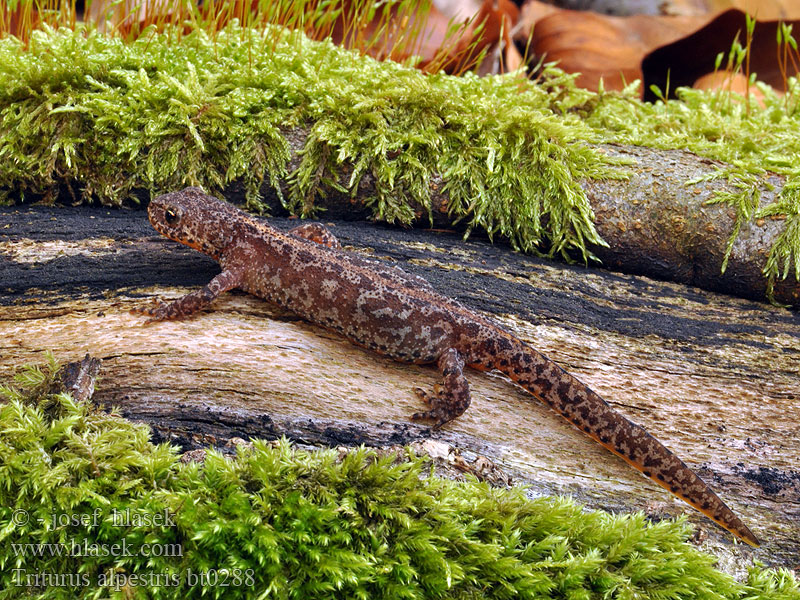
column 587, row 411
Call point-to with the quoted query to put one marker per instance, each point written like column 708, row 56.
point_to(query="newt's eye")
column 172, row 216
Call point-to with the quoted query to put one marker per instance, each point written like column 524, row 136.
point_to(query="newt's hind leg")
column 319, row 234
column 451, row 398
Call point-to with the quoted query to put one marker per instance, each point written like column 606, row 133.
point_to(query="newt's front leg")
column 191, row 303
column 451, row 398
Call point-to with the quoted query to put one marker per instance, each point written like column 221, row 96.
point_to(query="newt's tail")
column 587, row 411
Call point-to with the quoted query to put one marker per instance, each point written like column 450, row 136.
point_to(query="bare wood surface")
column 713, row 377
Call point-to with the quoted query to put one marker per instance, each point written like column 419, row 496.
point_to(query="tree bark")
column 713, row 377
column 658, row 226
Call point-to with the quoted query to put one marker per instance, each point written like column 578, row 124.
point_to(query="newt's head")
column 196, row 219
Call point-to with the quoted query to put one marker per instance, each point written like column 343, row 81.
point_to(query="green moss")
column 152, row 114
column 277, row 522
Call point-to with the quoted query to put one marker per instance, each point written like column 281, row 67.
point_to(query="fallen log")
column 712, row 376
column 655, row 222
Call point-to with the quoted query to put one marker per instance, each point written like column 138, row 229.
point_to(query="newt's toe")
column 157, row 311
column 423, row 395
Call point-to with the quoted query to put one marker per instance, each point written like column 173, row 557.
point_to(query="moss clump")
column 275, row 522
column 159, row 115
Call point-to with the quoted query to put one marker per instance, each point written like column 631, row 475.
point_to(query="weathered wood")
column 77, row 378
column 713, row 377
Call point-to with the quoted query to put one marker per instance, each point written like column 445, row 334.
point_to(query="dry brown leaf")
column 432, row 40
column 667, row 51
column 132, row 15
column 763, row 10
column 682, row 62
column 599, row 46
column 726, row 80
column 489, row 32
column 684, row 8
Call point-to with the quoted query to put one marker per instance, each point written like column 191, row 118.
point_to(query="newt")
column 401, row 316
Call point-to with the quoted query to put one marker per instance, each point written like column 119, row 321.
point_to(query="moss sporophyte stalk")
column 274, row 521
column 166, row 111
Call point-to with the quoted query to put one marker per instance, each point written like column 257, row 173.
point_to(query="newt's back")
column 401, row 316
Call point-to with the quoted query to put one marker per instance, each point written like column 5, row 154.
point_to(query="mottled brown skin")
column 401, row 316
